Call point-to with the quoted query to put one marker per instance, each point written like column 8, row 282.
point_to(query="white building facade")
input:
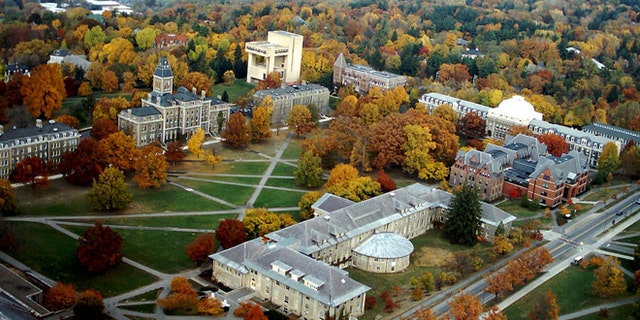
column 515, row 111
column 282, row 52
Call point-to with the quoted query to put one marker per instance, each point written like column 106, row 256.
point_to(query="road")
column 578, row 237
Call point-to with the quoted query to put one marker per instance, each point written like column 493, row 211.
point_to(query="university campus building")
column 284, row 98
column 462, row 107
column 47, row 141
column 521, row 166
column 515, row 111
column 298, row 268
column 622, row 135
column 165, row 116
column 363, row 78
column 282, row 52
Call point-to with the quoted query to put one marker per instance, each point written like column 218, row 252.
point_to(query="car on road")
column 577, row 260
column 638, row 201
column 619, row 213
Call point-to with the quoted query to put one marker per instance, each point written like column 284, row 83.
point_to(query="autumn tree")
column 465, row 307
column 201, row 247
column 300, row 120
column 556, row 145
column 230, row 232
column 228, row 77
column 33, row 171
column 341, row 174
column 520, row 129
column 146, row 37
column 109, row 108
column 174, row 152
column 309, row 172
column 109, row 81
column 44, row 90
column 71, row 121
column 197, row 80
column 261, row 119
column 630, row 162
column 272, row 81
column 501, row 246
column 546, row 308
column 83, row 165
column 499, row 282
column 109, row 192
column 118, row 150
column 463, row 216
column 237, row 133
column 90, row 305
column 182, row 298
column 609, row 160
column 195, row 142
column 255, row 313
column 259, row 221
column 610, row 281
column 386, row 182
column 61, row 296
column 8, row 202
column 423, row 313
column 211, row 159
column 495, row 314
column 150, row 166
column 102, row 128
column 417, row 154
column 358, row 189
column 308, row 199
column 472, row 125
column 99, row 248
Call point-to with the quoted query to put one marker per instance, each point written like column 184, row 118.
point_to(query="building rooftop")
column 28, row 132
column 21, row 290
column 386, row 245
column 292, row 89
column 144, row 111
column 617, row 132
column 516, row 107
column 559, row 129
column 455, row 101
column 163, row 69
column 330, row 203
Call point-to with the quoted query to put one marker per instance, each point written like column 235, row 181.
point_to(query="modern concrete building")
column 165, row 116
column 432, row 100
column 363, row 78
column 622, row 135
column 47, row 141
column 515, row 111
column 298, row 267
column 19, row 297
column 282, row 52
column 586, row 143
column 284, row 98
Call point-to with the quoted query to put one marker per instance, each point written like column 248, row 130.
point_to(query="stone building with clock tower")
column 166, row 116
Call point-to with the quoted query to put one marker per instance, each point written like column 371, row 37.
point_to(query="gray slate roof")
column 600, row 128
column 385, row 245
column 21, row 134
column 182, row 95
column 330, row 203
column 163, row 69
column 479, row 159
column 559, row 129
column 288, row 90
column 567, row 166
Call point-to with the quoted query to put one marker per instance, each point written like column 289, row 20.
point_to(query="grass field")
column 514, row 207
column 234, row 194
column 282, row 182
column 250, row 168
column 270, row 198
column 45, row 202
column 282, row 169
column 53, row 254
column 186, row 221
column 293, row 150
column 572, row 288
column 239, row 88
column 170, row 198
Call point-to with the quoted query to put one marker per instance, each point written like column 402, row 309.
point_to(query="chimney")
column 202, row 94
column 194, row 90
column 1, row 129
column 39, row 123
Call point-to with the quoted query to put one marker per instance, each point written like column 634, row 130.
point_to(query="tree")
column 89, row 305
column 472, row 125
column 237, row 133
column 201, row 247
column 109, row 108
column 386, row 182
column 630, row 162
column 109, row 81
column 261, row 119
column 8, row 202
column 31, row 170
column 151, row 167
column 61, row 296
column 610, row 281
column 424, row 313
column 94, row 37
column 195, row 142
column 309, row 172
column 272, row 81
column 109, row 192
column 519, row 129
column 546, row 308
column 465, row 307
column 255, row 313
column 463, row 216
column 300, row 120
column 182, row 298
column 230, row 232
column 83, row 165
column 197, row 80
column 499, row 282
column 609, row 160
column 260, row 221
column 211, row 159
column 174, row 152
column 71, row 121
column 340, row 174
column 556, row 145
column 44, row 91
column 102, row 128
column 84, row 89
column 358, row 189
column 146, row 37
column 417, row 154
column 118, row 150
column 99, row 248
column 501, row 246
column 494, row 314
column 229, row 77
column 308, row 199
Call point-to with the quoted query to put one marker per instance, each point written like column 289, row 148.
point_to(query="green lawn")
column 53, row 254
column 283, row 183
column 251, row 168
column 293, row 150
column 282, row 169
column 269, row 198
column 170, row 198
column 234, row 194
column 243, row 180
column 513, row 207
column 239, row 88
column 186, row 221
column 621, row 313
column 572, row 288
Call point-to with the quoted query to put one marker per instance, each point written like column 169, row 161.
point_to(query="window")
column 286, row 299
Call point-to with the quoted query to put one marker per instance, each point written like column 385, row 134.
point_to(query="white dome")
column 517, row 107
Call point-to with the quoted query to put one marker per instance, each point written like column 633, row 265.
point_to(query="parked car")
column 577, row 260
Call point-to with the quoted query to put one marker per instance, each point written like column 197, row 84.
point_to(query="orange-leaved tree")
column 556, row 145
column 546, row 308
column 71, row 121
column 197, row 80
column 201, row 247
column 182, row 297
column 300, row 120
column 44, row 91
column 465, row 306
column 237, row 133
column 89, row 305
column 150, row 166
column 118, row 150
column 61, row 296
column 261, row 120
column 230, row 232
column 174, row 151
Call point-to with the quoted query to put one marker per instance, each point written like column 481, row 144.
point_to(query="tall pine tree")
column 463, row 216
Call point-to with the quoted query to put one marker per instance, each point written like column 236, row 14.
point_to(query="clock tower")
column 163, row 77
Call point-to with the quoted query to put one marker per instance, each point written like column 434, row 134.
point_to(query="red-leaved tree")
column 99, row 248
column 386, row 182
column 31, row 170
column 201, row 247
column 83, row 165
column 556, row 145
column 231, row 232
column 61, row 296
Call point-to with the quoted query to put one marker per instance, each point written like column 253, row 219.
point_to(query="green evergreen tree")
column 309, row 172
column 500, row 230
column 109, row 192
column 463, row 216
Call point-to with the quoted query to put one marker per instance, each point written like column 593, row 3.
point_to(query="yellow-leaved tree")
column 195, row 142
column 417, row 154
column 261, row 119
column 44, row 91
